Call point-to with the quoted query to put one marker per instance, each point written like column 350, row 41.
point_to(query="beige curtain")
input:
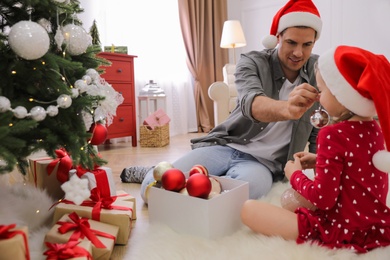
column 201, row 24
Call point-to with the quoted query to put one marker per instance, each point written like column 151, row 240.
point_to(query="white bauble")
column 5, row 104
column 20, row 112
column 75, row 92
column 76, row 39
column 93, row 74
column 81, row 85
column 87, row 79
column 38, row 113
column 29, row 40
column 160, row 169
column 52, row 111
column 64, row 101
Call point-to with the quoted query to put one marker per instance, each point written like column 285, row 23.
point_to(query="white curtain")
column 151, row 30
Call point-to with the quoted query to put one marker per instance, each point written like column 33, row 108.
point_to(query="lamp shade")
column 232, row 35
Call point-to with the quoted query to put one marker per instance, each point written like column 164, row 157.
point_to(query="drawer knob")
column 119, row 70
column 121, row 119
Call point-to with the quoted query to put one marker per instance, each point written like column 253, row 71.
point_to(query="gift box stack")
column 14, row 242
column 155, row 130
column 90, row 216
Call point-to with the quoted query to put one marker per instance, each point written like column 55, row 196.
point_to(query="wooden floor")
column 121, row 155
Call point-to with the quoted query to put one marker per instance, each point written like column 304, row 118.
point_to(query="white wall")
column 363, row 23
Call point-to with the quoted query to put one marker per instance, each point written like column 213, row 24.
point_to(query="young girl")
column 350, row 185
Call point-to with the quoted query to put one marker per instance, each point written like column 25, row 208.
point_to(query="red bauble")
column 173, row 179
column 199, row 185
column 199, row 169
column 99, row 134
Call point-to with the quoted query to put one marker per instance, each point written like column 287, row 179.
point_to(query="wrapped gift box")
column 38, row 176
column 73, row 250
column 158, row 118
column 211, row 218
column 99, row 252
column 119, row 215
column 14, row 242
column 122, row 195
column 100, row 178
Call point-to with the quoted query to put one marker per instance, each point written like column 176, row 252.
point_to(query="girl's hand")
column 308, row 160
column 292, row 166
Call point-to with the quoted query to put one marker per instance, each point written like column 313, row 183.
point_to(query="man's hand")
column 300, row 100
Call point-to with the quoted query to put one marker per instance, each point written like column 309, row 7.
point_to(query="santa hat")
column 360, row 81
column 294, row 13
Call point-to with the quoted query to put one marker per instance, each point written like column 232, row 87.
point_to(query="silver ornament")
column 81, row 85
column 52, row 110
column 76, row 39
column 87, row 79
column 38, row 113
column 29, row 40
column 64, row 101
column 93, row 74
column 75, row 92
column 59, row 38
column 5, row 104
column 320, row 118
column 20, row 112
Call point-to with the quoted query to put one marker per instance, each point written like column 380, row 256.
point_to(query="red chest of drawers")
column 120, row 75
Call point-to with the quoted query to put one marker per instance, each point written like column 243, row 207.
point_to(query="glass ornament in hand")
column 29, row 40
column 320, row 118
column 291, row 200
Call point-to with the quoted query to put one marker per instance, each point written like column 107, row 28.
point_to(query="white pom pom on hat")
column 270, row 41
column 360, row 81
column 294, row 13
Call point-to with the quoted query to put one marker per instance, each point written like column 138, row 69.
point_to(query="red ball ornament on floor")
column 99, row 134
column 173, row 180
column 199, row 185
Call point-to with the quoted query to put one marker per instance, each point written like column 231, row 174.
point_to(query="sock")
column 134, row 174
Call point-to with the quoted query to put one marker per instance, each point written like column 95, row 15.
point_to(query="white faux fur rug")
column 26, row 205
column 160, row 242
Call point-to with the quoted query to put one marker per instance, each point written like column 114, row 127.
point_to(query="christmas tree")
column 51, row 92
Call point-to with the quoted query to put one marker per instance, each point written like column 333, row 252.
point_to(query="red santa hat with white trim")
column 360, row 81
column 294, row 13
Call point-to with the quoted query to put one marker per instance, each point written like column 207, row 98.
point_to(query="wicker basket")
column 158, row 137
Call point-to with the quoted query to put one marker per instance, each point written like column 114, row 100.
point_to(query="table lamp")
column 232, row 36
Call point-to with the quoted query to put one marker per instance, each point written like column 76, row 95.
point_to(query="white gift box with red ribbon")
column 100, row 178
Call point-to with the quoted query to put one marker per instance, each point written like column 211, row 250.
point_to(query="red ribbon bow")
column 64, row 165
column 6, row 233
column 98, row 202
column 65, row 251
column 82, row 229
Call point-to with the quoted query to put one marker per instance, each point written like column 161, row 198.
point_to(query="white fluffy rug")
column 26, row 205
column 161, row 242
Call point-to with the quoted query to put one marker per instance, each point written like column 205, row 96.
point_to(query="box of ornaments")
column 200, row 204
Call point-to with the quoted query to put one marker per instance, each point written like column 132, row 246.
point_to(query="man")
column 271, row 122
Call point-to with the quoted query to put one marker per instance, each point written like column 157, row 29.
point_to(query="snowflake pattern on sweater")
column 348, row 191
